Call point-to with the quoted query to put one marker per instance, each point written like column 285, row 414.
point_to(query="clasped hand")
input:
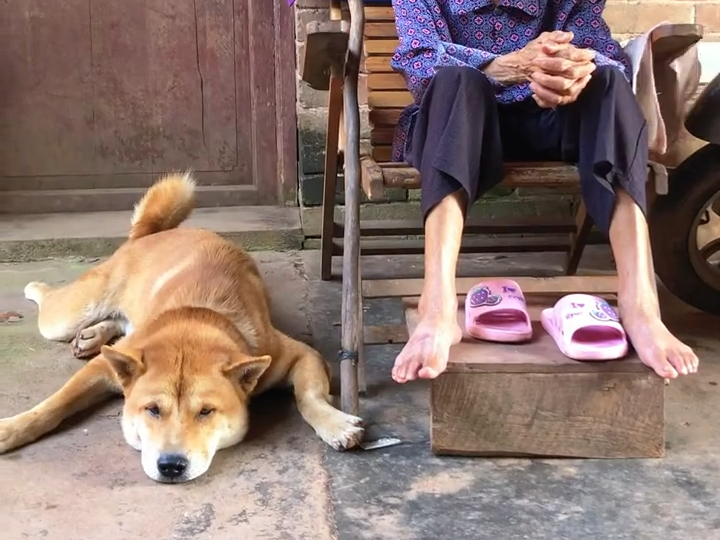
column 557, row 70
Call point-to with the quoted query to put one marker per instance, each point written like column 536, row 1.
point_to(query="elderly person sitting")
column 523, row 80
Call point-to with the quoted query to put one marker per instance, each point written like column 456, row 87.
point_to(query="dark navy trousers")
column 462, row 136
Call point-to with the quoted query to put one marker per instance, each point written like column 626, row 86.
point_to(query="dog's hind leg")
column 310, row 379
column 96, row 381
column 64, row 311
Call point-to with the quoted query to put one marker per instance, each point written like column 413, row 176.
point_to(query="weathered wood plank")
column 597, row 284
column 380, row 13
column 386, row 81
column 381, row 47
column 389, row 99
column 601, row 414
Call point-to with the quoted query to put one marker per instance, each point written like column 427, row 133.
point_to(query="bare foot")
column 657, row 347
column 425, row 355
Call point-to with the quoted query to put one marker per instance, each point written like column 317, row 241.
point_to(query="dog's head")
column 186, row 396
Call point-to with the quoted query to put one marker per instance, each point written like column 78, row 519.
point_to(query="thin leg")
column 330, row 177
column 613, row 161
column 457, row 149
column 93, row 383
column 311, row 384
column 637, row 294
column 578, row 240
column 426, row 352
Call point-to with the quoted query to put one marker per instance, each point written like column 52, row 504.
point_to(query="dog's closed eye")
column 153, row 410
column 205, row 412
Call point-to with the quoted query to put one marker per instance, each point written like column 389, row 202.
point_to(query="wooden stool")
column 530, row 400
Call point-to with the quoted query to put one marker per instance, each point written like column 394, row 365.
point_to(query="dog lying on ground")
column 196, row 342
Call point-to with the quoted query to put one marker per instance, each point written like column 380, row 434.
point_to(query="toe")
column 435, row 365
column 691, row 361
column 657, row 360
column 678, row 362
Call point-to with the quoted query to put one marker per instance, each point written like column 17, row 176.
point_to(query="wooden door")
column 100, row 96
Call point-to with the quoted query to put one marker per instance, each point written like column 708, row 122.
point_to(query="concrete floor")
column 84, row 483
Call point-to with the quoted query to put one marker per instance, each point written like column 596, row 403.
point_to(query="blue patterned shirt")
column 439, row 33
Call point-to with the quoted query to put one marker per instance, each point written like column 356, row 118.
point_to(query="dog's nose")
column 172, row 465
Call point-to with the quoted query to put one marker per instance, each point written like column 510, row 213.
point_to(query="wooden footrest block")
column 530, row 400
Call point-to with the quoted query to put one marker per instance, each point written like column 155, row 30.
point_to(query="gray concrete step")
column 111, row 199
column 28, row 237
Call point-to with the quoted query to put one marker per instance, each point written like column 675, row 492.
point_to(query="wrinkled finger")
column 558, row 83
column 563, row 67
column 558, row 36
column 575, row 54
column 579, row 86
column 551, row 48
column 545, row 95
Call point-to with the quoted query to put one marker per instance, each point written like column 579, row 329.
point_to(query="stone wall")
column 626, row 17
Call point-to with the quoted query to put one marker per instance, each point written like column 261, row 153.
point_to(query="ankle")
column 440, row 309
column 641, row 308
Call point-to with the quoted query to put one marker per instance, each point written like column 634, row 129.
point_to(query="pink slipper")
column 496, row 311
column 585, row 327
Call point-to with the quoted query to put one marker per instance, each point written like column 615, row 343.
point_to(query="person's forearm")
column 507, row 70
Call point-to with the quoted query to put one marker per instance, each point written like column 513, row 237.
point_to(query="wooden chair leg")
column 352, row 332
column 327, row 233
column 578, row 239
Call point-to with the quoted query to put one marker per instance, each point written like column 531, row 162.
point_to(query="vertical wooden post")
column 351, row 330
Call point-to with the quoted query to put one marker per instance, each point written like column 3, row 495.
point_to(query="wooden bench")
column 335, row 52
column 387, row 96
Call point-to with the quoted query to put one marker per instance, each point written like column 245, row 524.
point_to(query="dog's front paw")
column 341, row 431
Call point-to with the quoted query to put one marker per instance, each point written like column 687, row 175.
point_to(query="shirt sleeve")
column 426, row 45
column 592, row 32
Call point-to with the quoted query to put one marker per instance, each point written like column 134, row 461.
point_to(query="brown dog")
column 197, row 342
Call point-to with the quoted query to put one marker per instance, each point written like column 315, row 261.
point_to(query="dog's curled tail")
column 166, row 205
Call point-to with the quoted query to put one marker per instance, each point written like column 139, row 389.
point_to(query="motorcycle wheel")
column 685, row 231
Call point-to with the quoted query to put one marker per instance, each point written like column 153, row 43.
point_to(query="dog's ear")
column 126, row 362
column 246, row 370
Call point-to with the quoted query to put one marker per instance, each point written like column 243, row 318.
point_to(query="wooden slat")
column 382, row 153
column 386, row 81
column 381, row 30
column 389, row 99
column 380, row 47
column 385, row 117
column 525, row 175
column 474, row 225
column 380, row 13
column 597, row 284
column 469, row 245
column 378, row 64
column 382, row 135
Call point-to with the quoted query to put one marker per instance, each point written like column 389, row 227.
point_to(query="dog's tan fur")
column 196, row 341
